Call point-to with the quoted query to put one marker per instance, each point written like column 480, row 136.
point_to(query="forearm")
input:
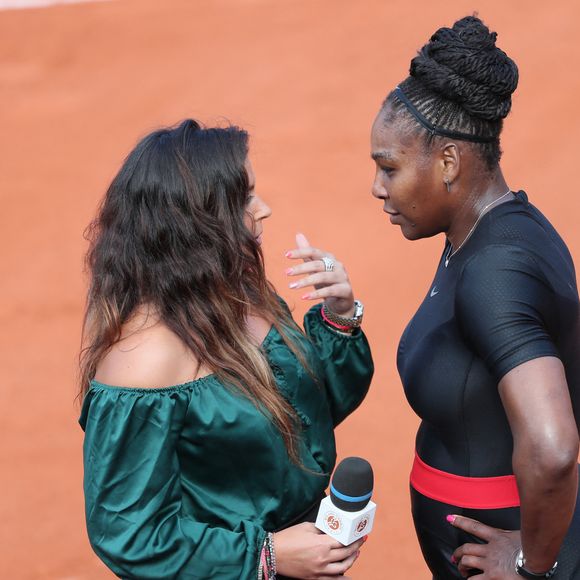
column 537, row 401
column 548, row 489
column 346, row 363
column 178, row 548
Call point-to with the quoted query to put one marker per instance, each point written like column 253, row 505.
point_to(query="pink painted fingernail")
column 305, row 296
column 453, row 560
column 293, row 285
column 289, row 271
column 450, row 519
column 288, row 254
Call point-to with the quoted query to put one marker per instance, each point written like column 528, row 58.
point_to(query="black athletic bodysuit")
column 508, row 296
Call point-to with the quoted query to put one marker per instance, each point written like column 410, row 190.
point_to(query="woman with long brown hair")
column 208, row 413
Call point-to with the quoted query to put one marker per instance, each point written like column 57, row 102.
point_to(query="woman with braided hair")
column 490, row 361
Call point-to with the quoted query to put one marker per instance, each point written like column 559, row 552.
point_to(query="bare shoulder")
column 149, row 355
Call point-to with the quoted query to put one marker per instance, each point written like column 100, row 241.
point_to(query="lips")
column 393, row 215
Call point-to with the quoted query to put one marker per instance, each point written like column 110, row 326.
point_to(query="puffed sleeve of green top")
column 133, row 495
column 347, row 363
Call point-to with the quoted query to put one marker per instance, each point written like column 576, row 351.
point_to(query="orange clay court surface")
column 79, row 83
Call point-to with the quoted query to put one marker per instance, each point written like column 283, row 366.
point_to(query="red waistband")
column 486, row 493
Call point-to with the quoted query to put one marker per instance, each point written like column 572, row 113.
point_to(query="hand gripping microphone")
column 348, row 514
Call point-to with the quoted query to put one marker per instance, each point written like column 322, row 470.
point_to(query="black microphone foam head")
column 351, row 487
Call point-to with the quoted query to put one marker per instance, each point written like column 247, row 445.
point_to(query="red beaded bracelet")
column 333, row 324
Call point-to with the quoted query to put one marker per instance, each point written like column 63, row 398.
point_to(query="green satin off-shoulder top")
column 185, row 481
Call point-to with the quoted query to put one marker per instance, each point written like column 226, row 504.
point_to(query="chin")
column 411, row 233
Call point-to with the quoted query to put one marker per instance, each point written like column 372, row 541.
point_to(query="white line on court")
column 23, row 4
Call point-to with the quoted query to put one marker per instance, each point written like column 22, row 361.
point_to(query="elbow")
column 560, row 466
column 553, row 459
column 112, row 549
column 102, row 548
column 564, row 455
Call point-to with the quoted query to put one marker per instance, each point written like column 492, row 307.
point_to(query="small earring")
column 448, row 184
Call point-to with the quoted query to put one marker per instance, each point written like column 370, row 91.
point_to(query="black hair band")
column 438, row 130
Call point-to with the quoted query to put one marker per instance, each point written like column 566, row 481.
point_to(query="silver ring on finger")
column 328, row 264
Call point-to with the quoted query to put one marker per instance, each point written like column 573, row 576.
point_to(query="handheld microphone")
column 348, row 513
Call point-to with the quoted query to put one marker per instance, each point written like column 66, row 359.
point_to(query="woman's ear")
column 450, row 163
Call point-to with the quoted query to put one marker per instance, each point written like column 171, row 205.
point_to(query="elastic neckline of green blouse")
column 171, row 388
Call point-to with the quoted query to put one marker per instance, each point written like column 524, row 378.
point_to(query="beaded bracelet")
column 343, row 329
column 267, row 566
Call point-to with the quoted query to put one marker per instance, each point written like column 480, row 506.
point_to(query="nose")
column 263, row 212
column 378, row 190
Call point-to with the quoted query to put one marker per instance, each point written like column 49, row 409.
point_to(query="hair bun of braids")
column 463, row 65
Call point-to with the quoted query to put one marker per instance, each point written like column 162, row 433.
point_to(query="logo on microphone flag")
column 362, row 525
column 332, row 522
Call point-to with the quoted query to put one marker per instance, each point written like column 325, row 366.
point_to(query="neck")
column 475, row 204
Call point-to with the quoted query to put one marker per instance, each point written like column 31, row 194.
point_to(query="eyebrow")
column 386, row 155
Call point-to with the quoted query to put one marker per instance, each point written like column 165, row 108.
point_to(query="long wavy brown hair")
column 170, row 235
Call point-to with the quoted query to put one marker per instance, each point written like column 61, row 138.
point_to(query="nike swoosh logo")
column 433, row 292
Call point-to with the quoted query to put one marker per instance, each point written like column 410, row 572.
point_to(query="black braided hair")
column 461, row 81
